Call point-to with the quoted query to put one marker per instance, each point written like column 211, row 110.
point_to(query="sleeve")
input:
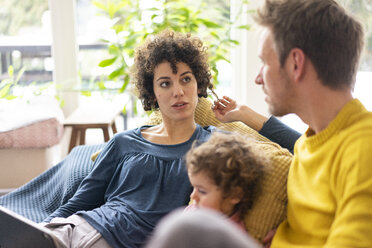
column 278, row 132
column 91, row 191
column 352, row 187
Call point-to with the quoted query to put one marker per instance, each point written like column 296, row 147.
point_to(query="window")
column 25, row 36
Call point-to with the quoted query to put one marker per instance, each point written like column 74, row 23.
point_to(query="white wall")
column 245, row 61
column 64, row 52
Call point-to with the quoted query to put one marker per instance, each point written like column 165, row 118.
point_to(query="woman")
column 140, row 175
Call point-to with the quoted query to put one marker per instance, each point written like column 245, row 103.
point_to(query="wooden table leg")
column 106, row 134
column 113, row 126
column 82, row 136
column 73, row 139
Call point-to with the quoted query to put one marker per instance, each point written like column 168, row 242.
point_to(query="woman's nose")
column 178, row 91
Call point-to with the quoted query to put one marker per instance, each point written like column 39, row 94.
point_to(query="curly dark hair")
column 230, row 162
column 171, row 47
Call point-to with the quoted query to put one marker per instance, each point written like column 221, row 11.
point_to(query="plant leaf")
column 246, row 27
column 99, row 5
column 19, row 75
column 131, row 41
column 5, row 91
column 209, row 24
column 116, row 73
column 86, row 93
column 107, row 62
column 10, row 97
column 10, row 71
column 124, row 86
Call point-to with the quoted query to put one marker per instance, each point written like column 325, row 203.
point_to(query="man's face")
column 273, row 78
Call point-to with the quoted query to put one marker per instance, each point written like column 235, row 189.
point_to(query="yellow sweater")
column 330, row 185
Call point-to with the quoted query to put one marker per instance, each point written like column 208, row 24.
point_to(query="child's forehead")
column 201, row 177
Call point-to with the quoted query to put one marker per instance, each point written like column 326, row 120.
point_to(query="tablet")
column 17, row 232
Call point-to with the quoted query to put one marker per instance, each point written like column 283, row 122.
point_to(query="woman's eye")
column 164, row 84
column 186, row 79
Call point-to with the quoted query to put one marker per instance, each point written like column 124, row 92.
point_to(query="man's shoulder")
column 360, row 125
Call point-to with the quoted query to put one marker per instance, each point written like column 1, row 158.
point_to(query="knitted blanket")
column 44, row 194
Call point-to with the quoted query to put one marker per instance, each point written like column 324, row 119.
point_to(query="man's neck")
column 322, row 106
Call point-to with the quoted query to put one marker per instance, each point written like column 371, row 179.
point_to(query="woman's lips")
column 179, row 105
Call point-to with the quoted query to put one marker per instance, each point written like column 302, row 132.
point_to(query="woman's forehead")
column 166, row 67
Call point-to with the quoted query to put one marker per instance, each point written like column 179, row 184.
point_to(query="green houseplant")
column 11, row 88
column 132, row 23
column 8, row 83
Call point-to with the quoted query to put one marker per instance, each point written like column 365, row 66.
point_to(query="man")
column 310, row 51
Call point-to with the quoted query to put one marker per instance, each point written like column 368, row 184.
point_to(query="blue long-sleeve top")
column 278, row 132
column 133, row 184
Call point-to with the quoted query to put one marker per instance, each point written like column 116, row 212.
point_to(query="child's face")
column 207, row 194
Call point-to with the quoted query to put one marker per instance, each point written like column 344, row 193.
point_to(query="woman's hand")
column 226, row 110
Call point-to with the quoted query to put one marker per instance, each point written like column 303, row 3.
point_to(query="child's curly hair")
column 170, row 47
column 230, row 162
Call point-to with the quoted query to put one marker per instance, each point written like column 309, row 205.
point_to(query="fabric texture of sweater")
column 133, row 184
column 330, row 185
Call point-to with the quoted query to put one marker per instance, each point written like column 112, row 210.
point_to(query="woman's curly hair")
column 170, row 47
column 229, row 161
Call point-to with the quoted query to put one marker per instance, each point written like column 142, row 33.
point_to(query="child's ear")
column 236, row 195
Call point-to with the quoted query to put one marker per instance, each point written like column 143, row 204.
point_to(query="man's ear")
column 296, row 59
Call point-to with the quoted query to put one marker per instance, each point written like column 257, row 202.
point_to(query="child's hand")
column 224, row 109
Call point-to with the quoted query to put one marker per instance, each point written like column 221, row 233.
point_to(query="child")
column 225, row 172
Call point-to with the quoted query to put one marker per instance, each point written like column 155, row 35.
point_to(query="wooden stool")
column 85, row 117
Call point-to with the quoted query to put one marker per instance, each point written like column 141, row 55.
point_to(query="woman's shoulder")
column 204, row 132
column 207, row 129
column 130, row 139
column 130, row 134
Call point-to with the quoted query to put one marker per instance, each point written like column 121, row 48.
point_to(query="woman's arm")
column 278, row 132
column 227, row 110
column 91, row 191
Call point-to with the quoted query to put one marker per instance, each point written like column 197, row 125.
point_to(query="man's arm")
column 352, row 185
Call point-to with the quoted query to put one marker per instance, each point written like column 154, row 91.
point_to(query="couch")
column 42, row 195
column 30, row 133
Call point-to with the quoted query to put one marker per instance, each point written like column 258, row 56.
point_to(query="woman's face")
column 176, row 94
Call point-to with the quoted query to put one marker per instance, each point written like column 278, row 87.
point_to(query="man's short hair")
column 329, row 37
